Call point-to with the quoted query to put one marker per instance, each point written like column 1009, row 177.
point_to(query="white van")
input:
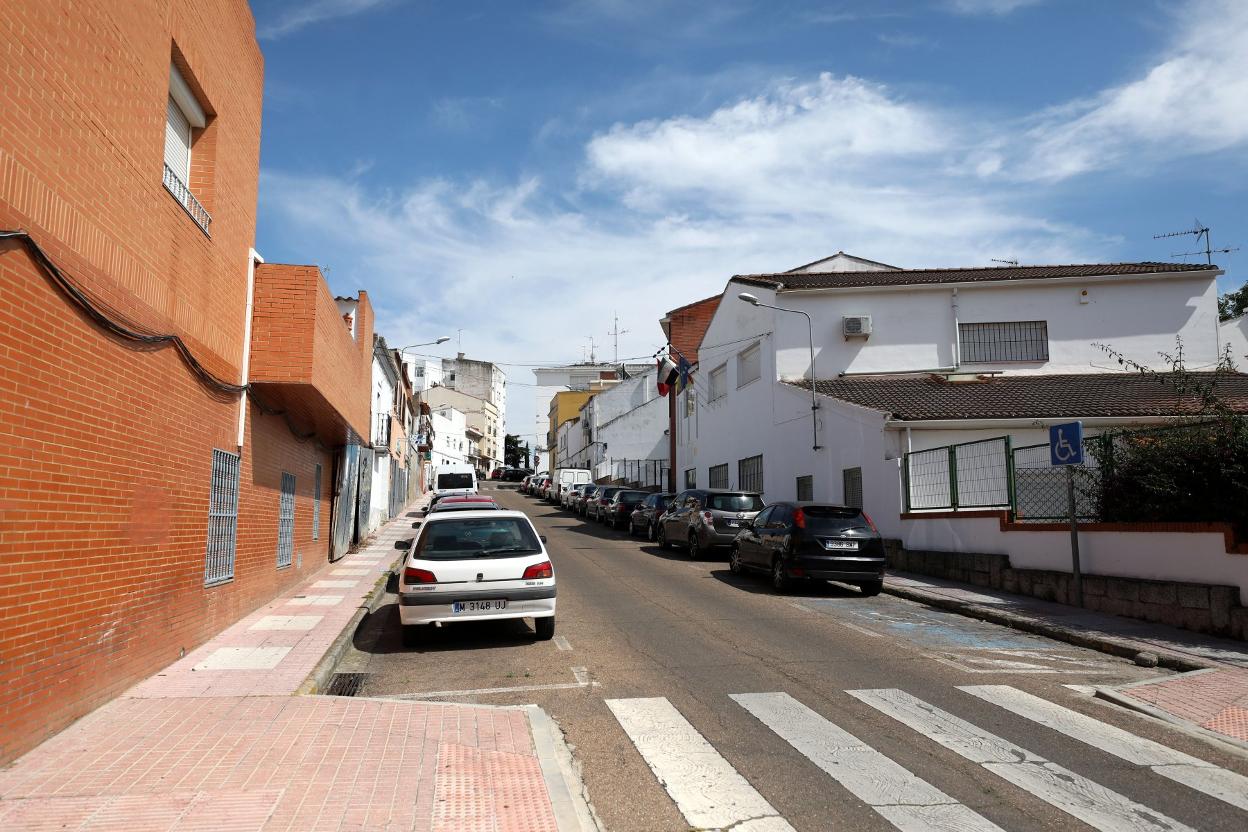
column 564, row 478
column 454, row 479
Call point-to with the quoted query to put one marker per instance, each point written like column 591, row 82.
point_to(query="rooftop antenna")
column 1198, row 230
column 616, row 333
column 592, row 359
column 1004, row 262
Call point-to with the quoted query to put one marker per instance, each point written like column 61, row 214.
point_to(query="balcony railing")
column 186, row 199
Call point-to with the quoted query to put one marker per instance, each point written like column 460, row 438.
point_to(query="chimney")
column 460, row 356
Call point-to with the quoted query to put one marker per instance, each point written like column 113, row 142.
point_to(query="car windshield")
column 631, row 496
column 454, row 480
column 477, row 537
column 734, row 502
column 829, row 519
column 445, row 506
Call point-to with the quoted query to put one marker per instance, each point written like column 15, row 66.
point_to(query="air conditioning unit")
column 856, row 326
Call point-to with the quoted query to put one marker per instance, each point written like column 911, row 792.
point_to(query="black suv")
column 704, row 518
column 812, row 541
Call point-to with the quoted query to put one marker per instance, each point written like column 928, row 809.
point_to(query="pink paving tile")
column 1232, row 721
column 1217, row 699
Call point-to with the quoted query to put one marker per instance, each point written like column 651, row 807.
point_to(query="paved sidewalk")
column 218, row 741
column 1212, row 696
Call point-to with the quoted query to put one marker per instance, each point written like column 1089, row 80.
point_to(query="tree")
column 515, row 455
column 1233, row 304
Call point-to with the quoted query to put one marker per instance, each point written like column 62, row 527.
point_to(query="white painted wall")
column 450, row 441
column 913, row 328
column 423, row 372
column 1234, row 334
column 1147, row 555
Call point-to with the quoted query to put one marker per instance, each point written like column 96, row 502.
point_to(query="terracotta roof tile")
column 915, row 277
column 917, row 397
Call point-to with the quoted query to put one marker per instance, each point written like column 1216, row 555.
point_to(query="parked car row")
column 791, row 542
column 510, row 474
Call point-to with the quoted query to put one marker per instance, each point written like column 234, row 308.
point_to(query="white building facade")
column 551, row 380
column 450, row 439
column 481, row 380
column 915, row 359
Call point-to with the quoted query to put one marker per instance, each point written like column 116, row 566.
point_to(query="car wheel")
column 544, row 628
column 660, row 537
column 780, row 582
column 651, row 532
column 695, row 549
column 870, row 588
column 413, row 634
column 632, row 528
column 734, row 562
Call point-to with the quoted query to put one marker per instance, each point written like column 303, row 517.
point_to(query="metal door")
column 364, row 503
column 346, row 484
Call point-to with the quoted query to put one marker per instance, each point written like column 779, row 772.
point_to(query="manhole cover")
column 345, row 684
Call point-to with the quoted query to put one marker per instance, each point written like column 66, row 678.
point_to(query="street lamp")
column 441, row 340
column 810, row 331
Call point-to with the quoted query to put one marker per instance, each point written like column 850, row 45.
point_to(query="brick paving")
column 233, row 749
column 1214, row 699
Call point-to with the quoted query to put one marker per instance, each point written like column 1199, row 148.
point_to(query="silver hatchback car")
column 705, row 518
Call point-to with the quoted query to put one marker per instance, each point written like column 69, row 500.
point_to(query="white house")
column 1233, row 336
column 424, row 372
column 481, row 380
column 450, row 439
column 551, row 380
column 624, row 431
column 910, row 359
column 382, row 404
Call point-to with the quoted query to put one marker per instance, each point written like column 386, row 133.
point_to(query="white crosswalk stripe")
column 906, row 801
column 1202, row 776
column 707, row 790
column 1079, row 797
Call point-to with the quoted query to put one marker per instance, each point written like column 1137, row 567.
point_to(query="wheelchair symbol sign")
column 1066, row 444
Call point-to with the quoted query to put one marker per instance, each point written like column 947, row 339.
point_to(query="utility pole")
column 615, row 333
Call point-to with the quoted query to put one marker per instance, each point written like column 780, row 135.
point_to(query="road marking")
column 904, row 800
column 579, row 673
column 1082, row 690
column 986, row 664
column 1079, row 797
column 562, row 643
column 858, row 629
column 1202, row 776
column 801, row 607
column 707, row 790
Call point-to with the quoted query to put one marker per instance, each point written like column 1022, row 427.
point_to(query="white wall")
column 450, row 442
column 1234, row 334
column 1147, row 555
column 379, row 499
column 913, row 329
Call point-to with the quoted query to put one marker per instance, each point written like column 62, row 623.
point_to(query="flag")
column 683, row 370
column 667, row 374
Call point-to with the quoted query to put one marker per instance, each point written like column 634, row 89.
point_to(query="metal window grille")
column 750, row 474
column 316, row 503
column 806, row 487
column 1004, row 341
column 718, row 476
column 691, row 478
column 222, row 518
column 286, row 522
column 851, row 481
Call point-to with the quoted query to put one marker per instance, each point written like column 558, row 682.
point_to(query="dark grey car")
column 596, row 508
column 646, row 516
column 703, row 518
column 582, row 502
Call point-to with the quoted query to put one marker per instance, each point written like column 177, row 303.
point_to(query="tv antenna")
column 592, row 359
column 615, row 334
column 1198, row 230
column 1003, row 262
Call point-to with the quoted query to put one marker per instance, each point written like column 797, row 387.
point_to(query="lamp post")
column 441, row 340
column 810, row 331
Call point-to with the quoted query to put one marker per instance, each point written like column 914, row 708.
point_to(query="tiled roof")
column 917, row 397
column 915, row 277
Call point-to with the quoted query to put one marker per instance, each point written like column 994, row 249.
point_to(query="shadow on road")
column 380, row 633
column 759, row 583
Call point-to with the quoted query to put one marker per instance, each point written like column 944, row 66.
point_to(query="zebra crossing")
column 712, row 794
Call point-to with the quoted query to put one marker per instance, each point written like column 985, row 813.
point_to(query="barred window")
column 222, row 518
column 316, row 503
column 286, row 522
column 750, row 474
column 749, row 366
column 1005, row 341
column 691, row 478
column 806, row 487
column 851, row 479
column 718, row 476
column 719, row 382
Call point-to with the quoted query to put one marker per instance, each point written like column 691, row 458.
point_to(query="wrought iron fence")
column 967, row 475
column 634, row 473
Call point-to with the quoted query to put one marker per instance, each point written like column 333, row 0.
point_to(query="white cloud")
column 1192, row 101
column 989, row 7
column 300, row 14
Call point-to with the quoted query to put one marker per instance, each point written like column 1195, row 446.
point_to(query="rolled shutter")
column 178, row 142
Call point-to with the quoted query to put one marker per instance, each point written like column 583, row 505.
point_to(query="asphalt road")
column 669, row 642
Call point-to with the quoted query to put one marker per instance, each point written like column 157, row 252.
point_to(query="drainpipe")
column 957, row 332
column 253, row 257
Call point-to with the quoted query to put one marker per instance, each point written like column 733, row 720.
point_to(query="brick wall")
column 688, row 325
column 107, row 447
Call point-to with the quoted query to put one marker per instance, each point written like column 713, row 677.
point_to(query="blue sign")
column 1066, row 444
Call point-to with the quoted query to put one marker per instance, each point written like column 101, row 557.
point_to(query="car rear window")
column 632, row 496
column 454, row 480
column 830, row 519
column 477, row 537
column 480, row 506
column 609, row 492
column 734, row 502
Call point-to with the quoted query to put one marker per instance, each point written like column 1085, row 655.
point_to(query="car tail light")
column 797, row 572
column 419, row 576
column 799, row 519
column 708, row 518
column 539, row 570
column 870, row 522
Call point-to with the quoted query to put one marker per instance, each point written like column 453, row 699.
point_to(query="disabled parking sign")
column 1066, row 444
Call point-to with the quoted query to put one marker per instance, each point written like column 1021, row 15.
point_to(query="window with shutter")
column 177, row 142
column 183, row 114
column 749, row 367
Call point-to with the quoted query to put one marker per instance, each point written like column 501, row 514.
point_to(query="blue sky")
column 522, row 170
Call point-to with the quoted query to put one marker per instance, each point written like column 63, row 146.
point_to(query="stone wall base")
column 1202, row 608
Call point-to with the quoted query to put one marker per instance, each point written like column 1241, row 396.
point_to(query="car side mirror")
column 542, row 537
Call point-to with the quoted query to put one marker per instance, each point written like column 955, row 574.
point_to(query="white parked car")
column 474, row 566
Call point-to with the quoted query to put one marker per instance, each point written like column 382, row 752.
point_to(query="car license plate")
column 479, row 606
column 734, row 523
column 840, row 544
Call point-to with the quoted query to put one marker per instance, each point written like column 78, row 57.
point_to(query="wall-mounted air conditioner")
column 856, row 326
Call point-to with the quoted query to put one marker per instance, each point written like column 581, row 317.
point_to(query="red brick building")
column 146, row 503
column 684, row 328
